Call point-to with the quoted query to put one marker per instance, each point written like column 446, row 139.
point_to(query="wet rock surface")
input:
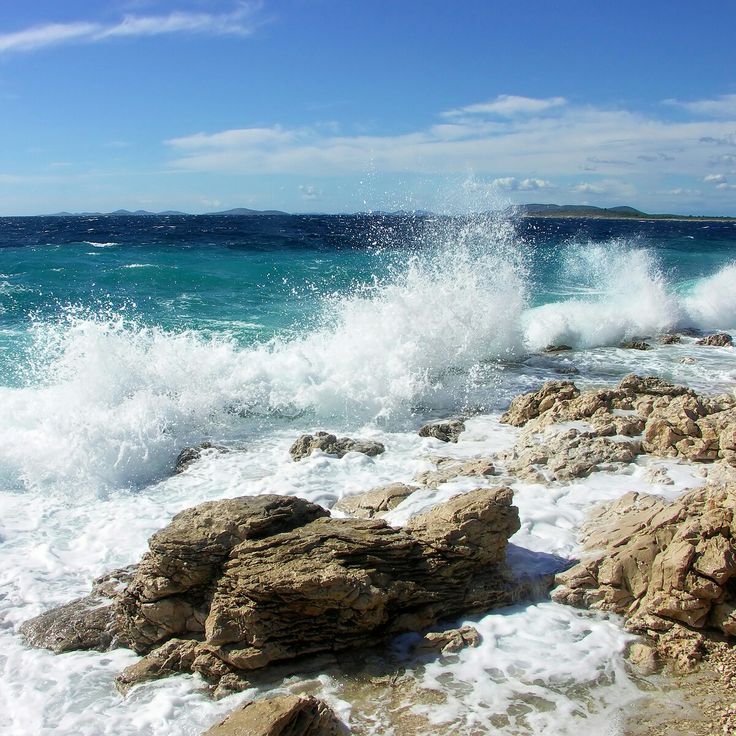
column 666, row 567
column 233, row 586
column 448, row 642
column 189, row 455
column 376, row 502
column 718, row 340
column 289, row 715
column 446, row 430
column 328, row 443
column 447, row 469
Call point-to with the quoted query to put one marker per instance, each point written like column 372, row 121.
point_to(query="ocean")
column 125, row 339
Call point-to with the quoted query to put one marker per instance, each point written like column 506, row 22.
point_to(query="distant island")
column 576, row 211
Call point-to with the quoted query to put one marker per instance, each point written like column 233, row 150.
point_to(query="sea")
column 125, row 339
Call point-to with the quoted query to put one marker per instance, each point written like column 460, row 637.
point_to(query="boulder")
column 331, row 445
column 376, row 502
column 718, row 340
column 664, row 566
column 448, row 642
column 446, row 430
column 230, row 587
column 288, row 715
column 531, row 405
column 670, row 339
column 635, row 345
column 190, row 455
column 557, row 349
column 85, row 623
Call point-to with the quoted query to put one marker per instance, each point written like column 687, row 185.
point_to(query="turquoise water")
column 123, row 340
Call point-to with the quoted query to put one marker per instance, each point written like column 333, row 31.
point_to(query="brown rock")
column 450, row 641
column 670, row 339
column 531, row 405
column 190, row 455
column 717, row 339
column 664, row 566
column 289, row 715
column 446, row 430
column 331, row 445
column 448, row 469
column 635, row 345
column 376, row 502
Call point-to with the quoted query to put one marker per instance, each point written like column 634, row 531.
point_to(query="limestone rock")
column 448, row 642
column 232, row 586
column 331, row 445
column 190, row 455
column 557, row 349
column 289, row 715
column 376, row 502
column 670, row 339
column 85, row 623
column 446, row 430
column 635, row 345
column 565, row 455
column 448, row 469
column 531, row 405
column 170, row 591
column 665, row 567
column 717, row 339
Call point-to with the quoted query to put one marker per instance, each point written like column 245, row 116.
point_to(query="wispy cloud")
column 507, row 106
column 238, row 22
column 719, row 107
column 526, row 151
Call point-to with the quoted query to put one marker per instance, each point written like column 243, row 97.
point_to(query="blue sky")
column 344, row 105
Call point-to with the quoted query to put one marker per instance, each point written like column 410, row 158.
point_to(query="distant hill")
column 244, row 211
column 590, row 211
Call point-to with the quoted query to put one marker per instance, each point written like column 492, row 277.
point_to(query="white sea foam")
column 97, row 244
column 626, row 296
column 711, row 304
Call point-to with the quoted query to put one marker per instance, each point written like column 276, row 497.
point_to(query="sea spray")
column 114, row 400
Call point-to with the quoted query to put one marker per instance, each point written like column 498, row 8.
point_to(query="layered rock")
column 447, row 469
column 565, row 455
column 666, row 567
column 446, row 430
column 289, row 715
column 232, row 586
column 674, row 420
column 332, row 445
column 377, row 502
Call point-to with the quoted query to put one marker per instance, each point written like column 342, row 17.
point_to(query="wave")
column 111, row 401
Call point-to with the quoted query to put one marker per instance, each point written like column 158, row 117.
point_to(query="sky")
column 352, row 105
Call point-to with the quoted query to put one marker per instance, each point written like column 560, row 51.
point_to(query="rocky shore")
column 253, row 589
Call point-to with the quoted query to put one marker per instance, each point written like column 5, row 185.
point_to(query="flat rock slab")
column 376, row 502
column 290, row 715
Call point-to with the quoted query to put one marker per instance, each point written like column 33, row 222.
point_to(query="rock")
column 670, row 339
column 176, row 656
column 531, row 405
column 644, row 657
column 565, row 455
column 190, row 455
column 288, row 715
column 658, row 475
column 635, row 345
column 85, row 623
column 230, row 587
column 688, row 360
column 331, row 445
column 376, row 502
column 448, row 469
column 665, row 567
column 556, row 348
column 718, row 339
column 446, row 430
column 448, row 642
column 169, row 595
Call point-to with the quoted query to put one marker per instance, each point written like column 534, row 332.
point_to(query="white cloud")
column 239, row 22
column 725, row 185
column 719, row 107
column 507, row 106
column 714, row 178
column 512, row 184
column 310, row 192
column 585, row 187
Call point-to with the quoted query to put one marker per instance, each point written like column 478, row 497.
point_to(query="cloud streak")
column 238, row 22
